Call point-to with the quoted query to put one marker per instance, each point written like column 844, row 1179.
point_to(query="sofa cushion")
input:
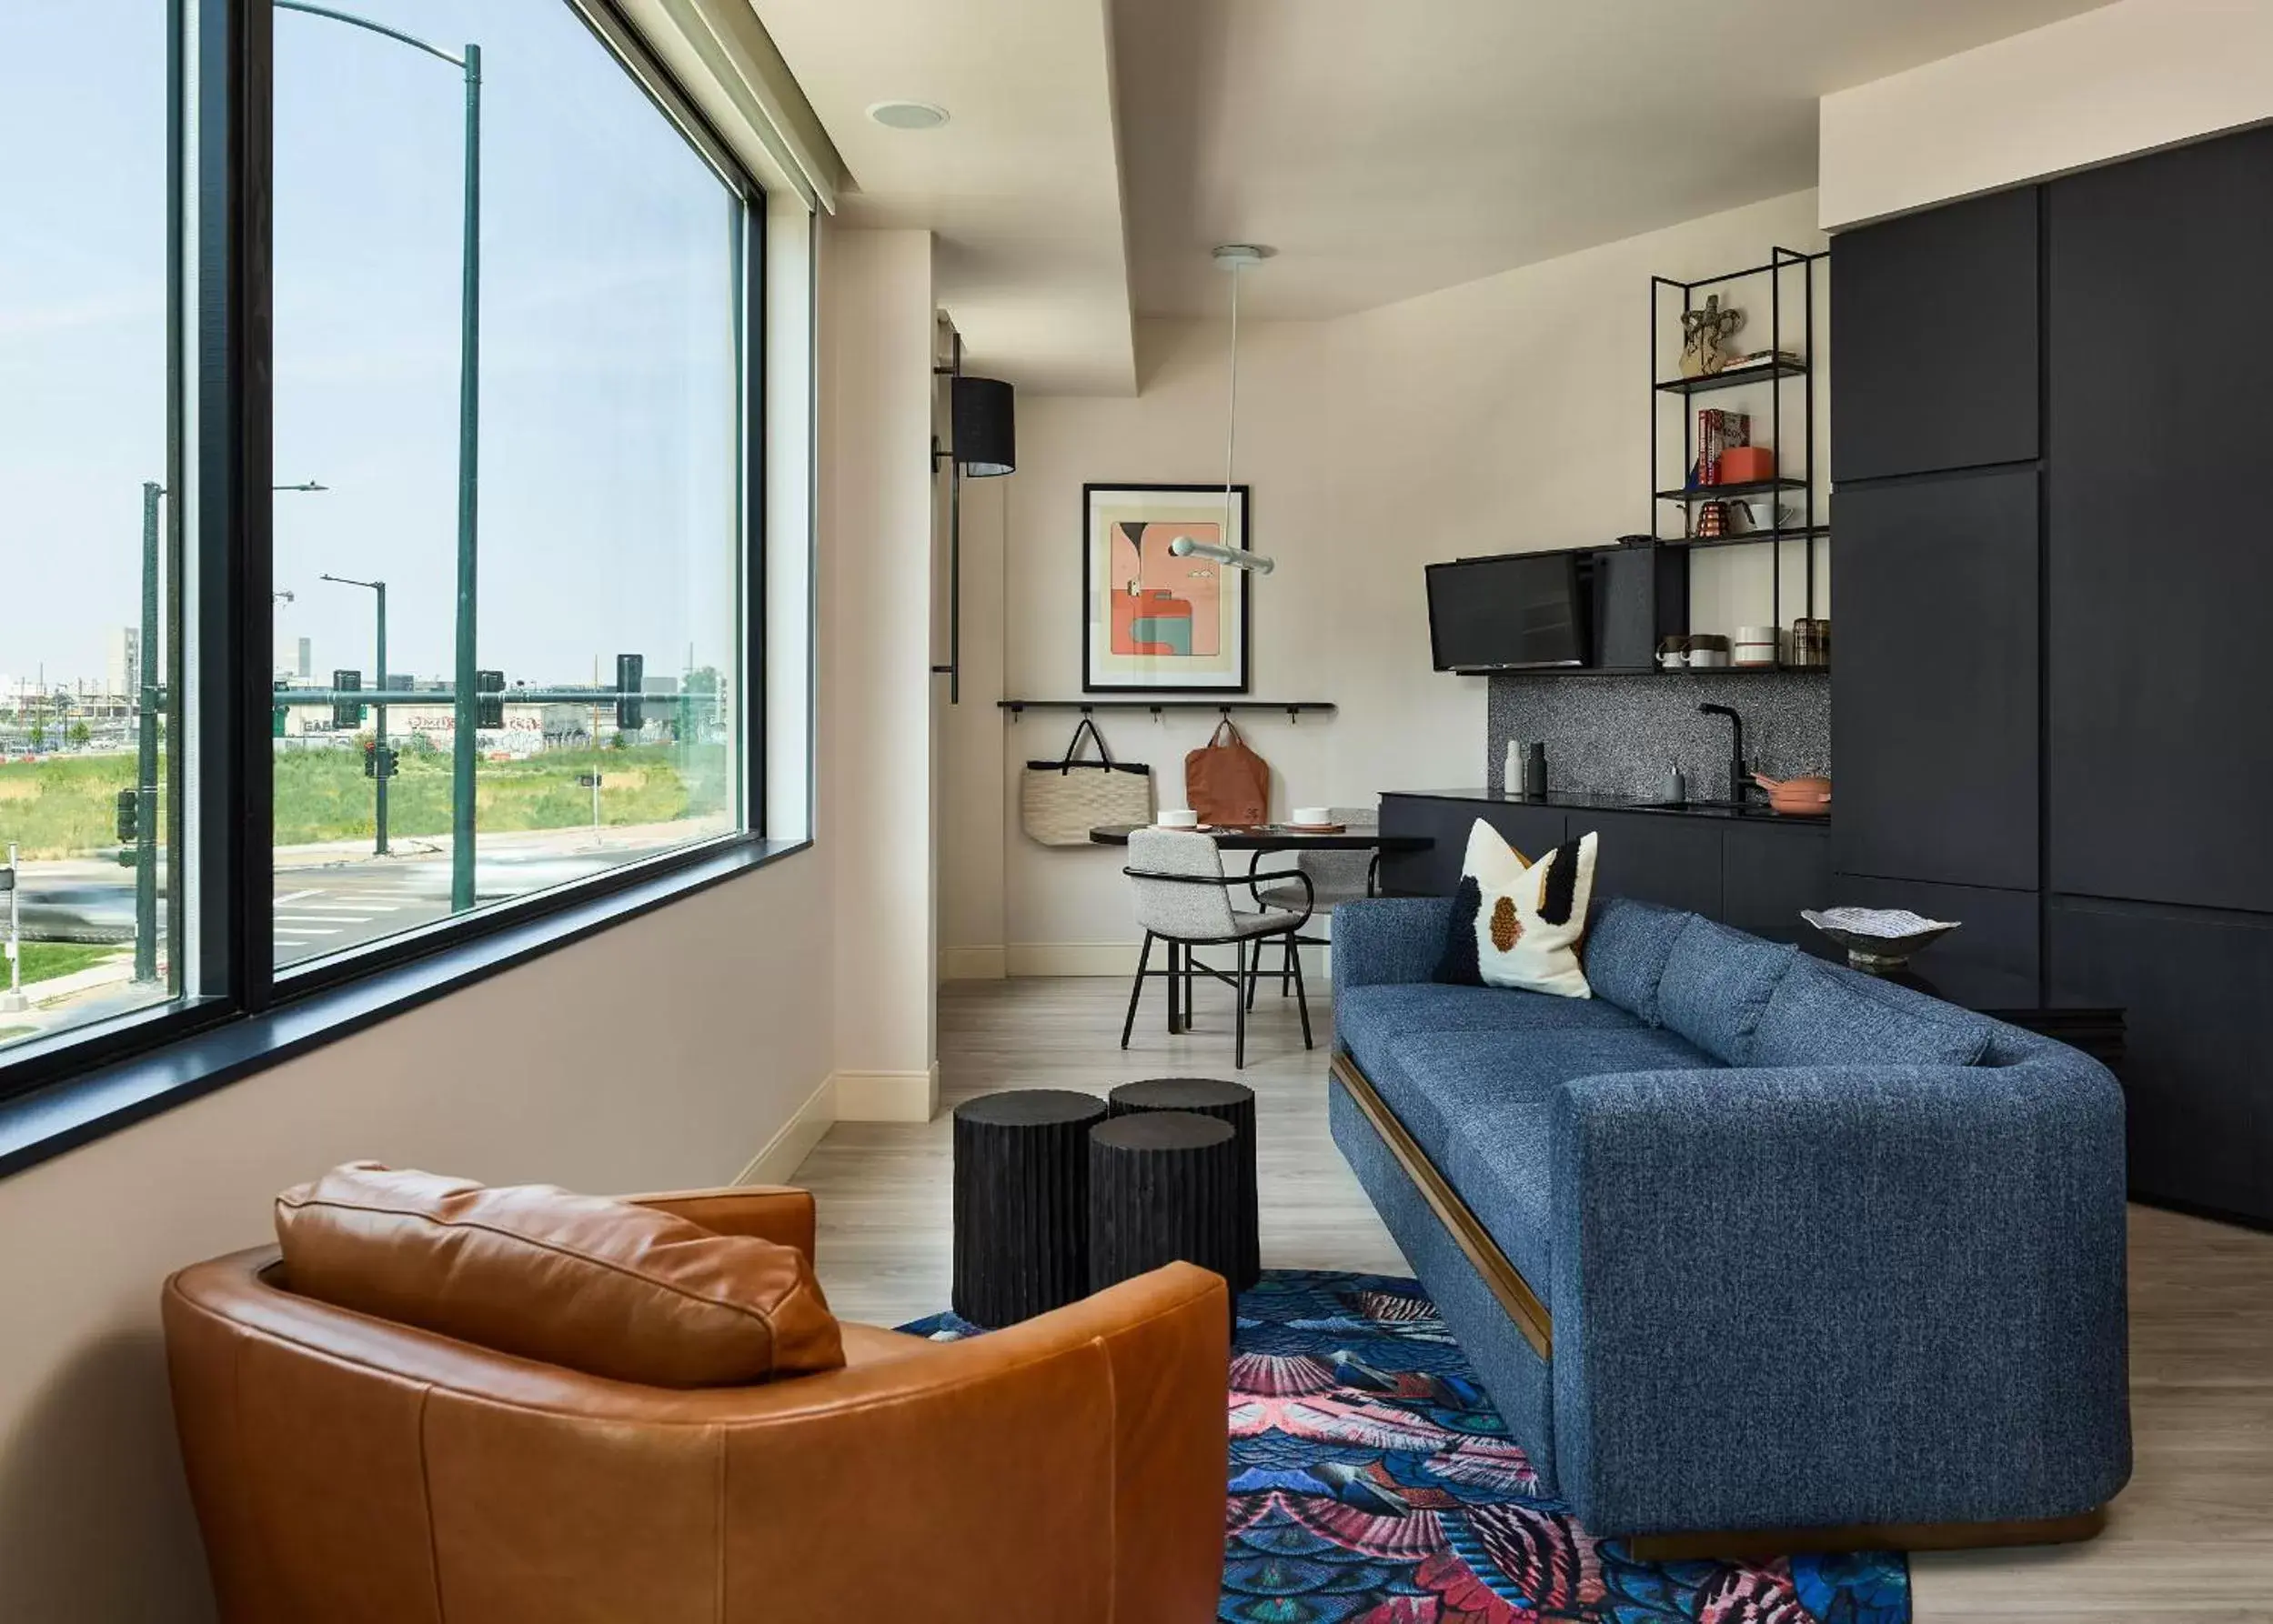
column 1824, row 1016
column 1516, row 922
column 1366, row 1018
column 1627, row 944
column 597, row 1286
column 1716, row 987
column 1476, row 1103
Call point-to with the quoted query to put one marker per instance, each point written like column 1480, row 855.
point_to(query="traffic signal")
column 380, row 761
column 276, row 712
column 130, row 816
column 346, row 713
column 631, row 677
column 488, row 699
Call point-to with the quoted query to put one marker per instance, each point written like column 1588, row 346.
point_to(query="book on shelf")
column 1718, row 430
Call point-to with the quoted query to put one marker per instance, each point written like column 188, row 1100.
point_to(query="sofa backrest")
column 1624, row 953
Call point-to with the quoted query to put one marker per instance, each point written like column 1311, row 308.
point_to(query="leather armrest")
column 769, row 1211
column 1099, row 1432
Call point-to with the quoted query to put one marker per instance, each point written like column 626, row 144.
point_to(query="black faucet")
column 1739, row 781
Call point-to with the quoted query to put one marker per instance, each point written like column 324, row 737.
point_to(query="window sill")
column 64, row 1115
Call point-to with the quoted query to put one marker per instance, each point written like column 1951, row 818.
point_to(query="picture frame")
column 1153, row 623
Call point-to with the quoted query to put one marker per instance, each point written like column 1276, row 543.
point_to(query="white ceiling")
column 1022, row 185
column 1384, row 149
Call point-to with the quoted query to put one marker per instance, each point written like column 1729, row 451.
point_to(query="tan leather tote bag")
column 1227, row 783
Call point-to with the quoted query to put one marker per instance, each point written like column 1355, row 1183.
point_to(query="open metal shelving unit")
column 1778, row 377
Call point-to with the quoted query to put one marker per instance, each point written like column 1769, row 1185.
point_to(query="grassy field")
column 66, row 806
column 44, row 961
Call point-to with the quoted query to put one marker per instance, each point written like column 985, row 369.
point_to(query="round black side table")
column 1021, row 1203
column 1227, row 1102
column 1162, row 1185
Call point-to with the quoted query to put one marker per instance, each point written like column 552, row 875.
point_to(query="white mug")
column 1179, row 818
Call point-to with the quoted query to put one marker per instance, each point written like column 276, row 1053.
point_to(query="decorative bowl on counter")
column 1879, row 941
column 1798, row 797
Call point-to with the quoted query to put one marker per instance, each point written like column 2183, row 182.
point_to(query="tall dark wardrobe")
column 2052, row 450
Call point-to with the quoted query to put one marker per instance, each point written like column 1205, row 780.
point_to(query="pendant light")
column 1234, row 257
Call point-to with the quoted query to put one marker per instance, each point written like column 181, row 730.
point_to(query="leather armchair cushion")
column 583, row 1282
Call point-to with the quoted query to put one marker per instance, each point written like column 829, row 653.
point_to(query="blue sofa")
column 1747, row 1241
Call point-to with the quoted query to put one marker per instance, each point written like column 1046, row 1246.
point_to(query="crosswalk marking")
column 300, row 917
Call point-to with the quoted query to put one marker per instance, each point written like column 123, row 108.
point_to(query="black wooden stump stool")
column 1021, row 1203
column 1162, row 1185
column 1227, row 1102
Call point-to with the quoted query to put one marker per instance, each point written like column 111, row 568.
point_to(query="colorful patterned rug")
column 1373, row 1483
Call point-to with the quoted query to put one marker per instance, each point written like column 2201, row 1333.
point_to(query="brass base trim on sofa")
column 1750, row 1545
column 1506, row 1283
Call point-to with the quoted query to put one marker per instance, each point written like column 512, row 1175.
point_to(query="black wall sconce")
column 985, row 420
column 982, row 426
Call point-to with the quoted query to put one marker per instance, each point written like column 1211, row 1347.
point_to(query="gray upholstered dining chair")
column 1335, row 878
column 1184, row 897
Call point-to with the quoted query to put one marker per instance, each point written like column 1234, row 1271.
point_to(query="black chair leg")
column 1239, row 1043
column 1136, row 989
column 1286, row 971
column 1187, row 987
column 1254, row 973
column 1302, row 1001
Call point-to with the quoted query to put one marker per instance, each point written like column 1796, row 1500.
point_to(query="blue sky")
column 607, row 387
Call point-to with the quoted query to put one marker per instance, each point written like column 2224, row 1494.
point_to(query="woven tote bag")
column 1059, row 802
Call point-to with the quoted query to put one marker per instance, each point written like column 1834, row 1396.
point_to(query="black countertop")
column 1586, row 801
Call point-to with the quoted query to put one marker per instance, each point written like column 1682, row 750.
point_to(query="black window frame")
column 233, row 1011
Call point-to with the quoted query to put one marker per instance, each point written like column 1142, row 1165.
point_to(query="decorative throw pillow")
column 602, row 1286
column 1516, row 922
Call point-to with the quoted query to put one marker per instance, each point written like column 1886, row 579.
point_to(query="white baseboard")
column 1120, row 959
column 888, row 1096
column 974, row 964
column 787, row 1150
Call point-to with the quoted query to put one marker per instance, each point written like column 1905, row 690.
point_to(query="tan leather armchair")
column 350, row 1470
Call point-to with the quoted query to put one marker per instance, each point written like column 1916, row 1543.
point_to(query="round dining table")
column 1277, row 837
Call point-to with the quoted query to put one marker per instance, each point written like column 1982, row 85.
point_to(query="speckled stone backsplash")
column 1616, row 734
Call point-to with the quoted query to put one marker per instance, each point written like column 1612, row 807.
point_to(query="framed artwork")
column 1153, row 623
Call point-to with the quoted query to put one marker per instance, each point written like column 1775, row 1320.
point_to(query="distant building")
column 122, row 649
column 295, row 658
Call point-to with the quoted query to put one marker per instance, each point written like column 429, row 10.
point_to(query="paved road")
column 330, row 899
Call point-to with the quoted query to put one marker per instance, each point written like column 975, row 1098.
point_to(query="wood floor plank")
column 2190, row 1540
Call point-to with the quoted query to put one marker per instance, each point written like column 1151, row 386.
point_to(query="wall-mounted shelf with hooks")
column 1293, row 708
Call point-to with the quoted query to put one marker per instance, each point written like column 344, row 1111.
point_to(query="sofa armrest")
column 1380, row 939
column 769, row 1211
column 1839, row 1295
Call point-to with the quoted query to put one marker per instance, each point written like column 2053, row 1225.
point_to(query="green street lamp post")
column 150, row 696
column 462, row 751
column 380, row 766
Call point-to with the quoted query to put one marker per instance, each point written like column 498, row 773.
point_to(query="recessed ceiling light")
column 908, row 116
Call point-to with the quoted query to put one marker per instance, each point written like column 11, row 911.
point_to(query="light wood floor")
column 2190, row 1540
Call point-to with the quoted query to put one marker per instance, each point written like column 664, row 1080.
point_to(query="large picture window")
column 593, row 482
column 378, row 386
column 87, row 501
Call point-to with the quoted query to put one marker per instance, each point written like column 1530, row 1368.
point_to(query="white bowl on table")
column 1179, row 818
column 1310, row 816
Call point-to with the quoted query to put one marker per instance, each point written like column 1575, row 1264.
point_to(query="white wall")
column 1503, row 415
column 879, row 792
column 2106, row 84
